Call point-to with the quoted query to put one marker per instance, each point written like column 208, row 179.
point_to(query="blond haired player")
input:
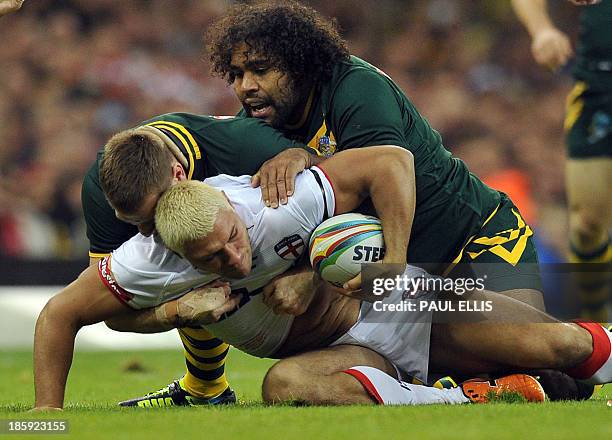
column 134, row 168
column 243, row 249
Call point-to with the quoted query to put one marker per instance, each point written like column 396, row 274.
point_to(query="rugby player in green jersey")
column 308, row 86
column 588, row 126
column 140, row 164
column 290, row 68
column 143, row 275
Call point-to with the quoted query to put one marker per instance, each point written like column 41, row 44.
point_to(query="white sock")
column 604, row 373
column 387, row 390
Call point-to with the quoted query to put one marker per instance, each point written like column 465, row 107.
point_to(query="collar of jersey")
column 304, row 116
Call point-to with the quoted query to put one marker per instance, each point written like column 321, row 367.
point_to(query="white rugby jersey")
column 144, row 273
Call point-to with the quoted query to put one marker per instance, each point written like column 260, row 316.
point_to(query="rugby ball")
column 340, row 244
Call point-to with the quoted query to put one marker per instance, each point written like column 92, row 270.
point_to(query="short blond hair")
column 186, row 212
column 135, row 164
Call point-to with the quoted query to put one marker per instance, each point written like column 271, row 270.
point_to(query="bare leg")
column 338, row 376
column 532, row 297
column 514, row 336
column 316, row 377
column 588, row 191
column 588, row 183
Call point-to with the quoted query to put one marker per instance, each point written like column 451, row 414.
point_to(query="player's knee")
column 284, row 382
column 587, row 228
column 48, row 310
column 565, row 345
column 58, row 310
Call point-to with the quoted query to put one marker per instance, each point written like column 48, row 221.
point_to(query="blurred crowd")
column 73, row 72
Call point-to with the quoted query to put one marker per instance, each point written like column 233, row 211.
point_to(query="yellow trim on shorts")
column 460, row 255
column 97, row 255
column 574, row 105
column 521, row 234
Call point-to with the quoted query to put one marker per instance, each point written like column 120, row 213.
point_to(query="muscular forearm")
column 385, row 173
column 153, row 320
column 53, row 350
column 85, row 301
column 393, row 192
column 533, row 15
column 201, row 306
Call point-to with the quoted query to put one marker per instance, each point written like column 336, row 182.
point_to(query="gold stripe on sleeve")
column 167, row 126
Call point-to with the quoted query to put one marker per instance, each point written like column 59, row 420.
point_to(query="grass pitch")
column 99, row 379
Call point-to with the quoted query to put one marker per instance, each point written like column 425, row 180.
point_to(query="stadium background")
column 73, row 72
column 76, row 71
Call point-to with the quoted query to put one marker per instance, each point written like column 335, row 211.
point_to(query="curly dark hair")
column 294, row 38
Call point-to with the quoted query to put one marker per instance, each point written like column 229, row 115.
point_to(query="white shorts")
column 401, row 336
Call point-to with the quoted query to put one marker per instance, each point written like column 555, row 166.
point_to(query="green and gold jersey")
column 212, row 146
column 361, row 106
column 594, row 48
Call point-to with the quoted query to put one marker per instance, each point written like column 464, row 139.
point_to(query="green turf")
column 99, row 380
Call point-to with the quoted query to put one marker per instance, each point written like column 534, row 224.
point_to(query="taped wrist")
column 197, row 307
column 167, row 315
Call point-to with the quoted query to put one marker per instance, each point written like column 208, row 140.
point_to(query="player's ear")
column 227, row 198
column 178, row 172
column 231, row 205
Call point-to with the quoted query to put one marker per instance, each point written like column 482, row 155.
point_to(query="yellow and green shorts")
column 588, row 122
column 502, row 253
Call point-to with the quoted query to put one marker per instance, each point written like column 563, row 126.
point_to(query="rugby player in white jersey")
column 241, row 247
